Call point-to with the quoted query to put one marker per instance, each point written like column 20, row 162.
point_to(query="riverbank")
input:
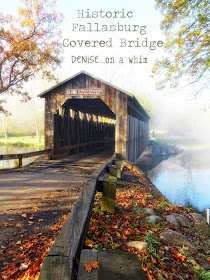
column 183, row 143
column 22, row 141
column 161, row 148
column 181, row 175
column 17, row 145
column 155, row 153
column 170, row 241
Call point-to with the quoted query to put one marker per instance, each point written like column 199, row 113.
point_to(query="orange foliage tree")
column 29, row 43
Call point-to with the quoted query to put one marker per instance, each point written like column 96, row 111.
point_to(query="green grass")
column 193, row 208
column 22, row 141
column 184, row 143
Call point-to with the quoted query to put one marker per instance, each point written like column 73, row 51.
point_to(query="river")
column 184, row 177
column 15, row 150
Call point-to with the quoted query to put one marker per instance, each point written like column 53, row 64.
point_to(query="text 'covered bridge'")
column 85, row 112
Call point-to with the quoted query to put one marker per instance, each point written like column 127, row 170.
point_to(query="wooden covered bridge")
column 85, row 112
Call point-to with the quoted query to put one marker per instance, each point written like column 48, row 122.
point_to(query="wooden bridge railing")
column 26, row 155
column 85, row 144
column 62, row 258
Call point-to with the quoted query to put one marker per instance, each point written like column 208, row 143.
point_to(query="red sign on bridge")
column 86, row 91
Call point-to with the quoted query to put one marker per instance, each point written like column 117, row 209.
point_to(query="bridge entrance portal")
column 83, row 124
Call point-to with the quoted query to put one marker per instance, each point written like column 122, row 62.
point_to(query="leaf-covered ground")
column 130, row 223
column 30, row 233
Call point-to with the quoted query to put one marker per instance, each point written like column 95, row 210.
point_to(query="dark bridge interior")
column 83, row 124
column 94, row 106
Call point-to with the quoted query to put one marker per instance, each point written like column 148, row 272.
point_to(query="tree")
column 145, row 101
column 186, row 26
column 28, row 44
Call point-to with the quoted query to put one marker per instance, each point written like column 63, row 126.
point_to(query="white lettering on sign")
column 85, row 91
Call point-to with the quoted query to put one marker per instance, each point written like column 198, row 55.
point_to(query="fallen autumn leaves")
column 130, row 223
column 27, row 254
column 90, row 265
column 31, row 235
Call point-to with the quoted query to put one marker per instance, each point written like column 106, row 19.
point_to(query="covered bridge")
column 84, row 112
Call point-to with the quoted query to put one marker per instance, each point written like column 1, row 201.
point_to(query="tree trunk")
column 6, row 120
column 36, row 121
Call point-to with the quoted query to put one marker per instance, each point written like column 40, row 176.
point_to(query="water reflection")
column 185, row 177
column 16, row 150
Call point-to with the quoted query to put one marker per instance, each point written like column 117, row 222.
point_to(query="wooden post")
column 68, row 129
column 50, row 154
column 20, row 161
column 109, row 195
column 118, row 163
column 77, row 120
column 84, row 130
column 114, row 172
column 16, row 163
column 121, row 124
column 208, row 216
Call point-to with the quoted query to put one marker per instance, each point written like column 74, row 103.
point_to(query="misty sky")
column 134, row 78
column 136, row 75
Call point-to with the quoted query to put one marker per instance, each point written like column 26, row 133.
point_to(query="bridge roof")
column 132, row 98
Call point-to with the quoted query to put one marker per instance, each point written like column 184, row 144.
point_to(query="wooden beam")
column 114, row 171
column 112, row 265
column 68, row 128
column 87, row 255
column 109, row 196
column 25, row 155
column 84, row 144
column 20, row 161
column 121, row 124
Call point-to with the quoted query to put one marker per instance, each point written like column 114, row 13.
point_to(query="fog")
column 24, row 118
column 177, row 116
column 172, row 114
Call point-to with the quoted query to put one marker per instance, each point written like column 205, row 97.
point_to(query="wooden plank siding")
column 131, row 121
column 137, row 138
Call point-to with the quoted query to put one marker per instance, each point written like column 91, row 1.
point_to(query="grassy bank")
column 22, row 141
column 183, row 143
